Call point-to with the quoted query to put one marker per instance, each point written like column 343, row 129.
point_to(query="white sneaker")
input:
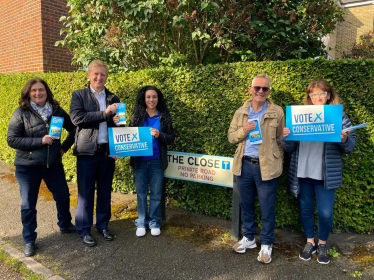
column 155, row 231
column 140, row 232
column 264, row 255
column 244, row 244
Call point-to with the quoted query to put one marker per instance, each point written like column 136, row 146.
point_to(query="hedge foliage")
column 202, row 101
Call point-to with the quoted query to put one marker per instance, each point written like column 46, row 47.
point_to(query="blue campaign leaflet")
column 121, row 113
column 321, row 123
column 56, row 127
column 130, row 141
column 363, row 125
column 255, row 136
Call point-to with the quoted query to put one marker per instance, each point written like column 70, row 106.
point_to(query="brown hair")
column 325, row 86
column 97, row 63
column 24, row 100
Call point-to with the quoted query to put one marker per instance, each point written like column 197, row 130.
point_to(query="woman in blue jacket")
column 151, row 111
column 39, row 157
column 316, row 168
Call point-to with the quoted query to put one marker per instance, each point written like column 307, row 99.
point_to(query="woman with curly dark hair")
column 151, row 111
column 39, row 157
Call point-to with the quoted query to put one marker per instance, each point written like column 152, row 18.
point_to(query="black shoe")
column 106, row 234
column 29, row 249
column 89, row 241
column 68, row 229
column 323, row 256
column 308, row 251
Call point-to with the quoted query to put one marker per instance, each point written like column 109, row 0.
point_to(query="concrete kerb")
column 30, row 263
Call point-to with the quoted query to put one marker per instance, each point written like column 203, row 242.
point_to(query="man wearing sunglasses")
column 257, row 166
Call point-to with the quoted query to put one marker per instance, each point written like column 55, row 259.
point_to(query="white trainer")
column 244, row 244
column 264, row 255
column 155, row 231
column 140, row 232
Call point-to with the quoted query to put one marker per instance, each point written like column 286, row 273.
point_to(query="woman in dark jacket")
column 39, row 157
column 151, row 111
column 316, row 168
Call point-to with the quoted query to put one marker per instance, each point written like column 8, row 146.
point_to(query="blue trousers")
column 250, row 183
column 325, row 205
column 149, row 172
column 98, row 169
column 29, row 179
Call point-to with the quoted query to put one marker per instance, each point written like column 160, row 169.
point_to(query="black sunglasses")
column 264, row 89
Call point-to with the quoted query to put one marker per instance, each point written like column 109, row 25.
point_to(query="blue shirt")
column 153, row 122
column 252, row 150
column 103, row 128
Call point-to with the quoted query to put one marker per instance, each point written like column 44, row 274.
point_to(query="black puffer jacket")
column 332, row 161
column 86, row 115
column 26, row 131
column 165, row 138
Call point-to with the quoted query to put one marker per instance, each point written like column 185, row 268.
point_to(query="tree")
column 135, row 34
column 364, row 48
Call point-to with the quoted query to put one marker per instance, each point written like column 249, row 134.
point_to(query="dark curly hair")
column 24, row 100
column 140, row 106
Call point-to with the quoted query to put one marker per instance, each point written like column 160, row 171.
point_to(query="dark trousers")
column 250, row 183
column 29, row 179
column 325, row 206
column 98, row 168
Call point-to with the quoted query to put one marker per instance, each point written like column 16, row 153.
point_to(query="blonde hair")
column 325, row 86
column 97, row 63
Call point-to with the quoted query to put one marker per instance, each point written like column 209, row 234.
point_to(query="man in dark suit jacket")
column 92, row 110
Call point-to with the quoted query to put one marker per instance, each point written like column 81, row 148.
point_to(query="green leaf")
column 175, row 20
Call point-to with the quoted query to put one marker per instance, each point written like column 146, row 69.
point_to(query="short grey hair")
column 262, row 76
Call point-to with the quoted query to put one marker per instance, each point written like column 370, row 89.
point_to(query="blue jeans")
column 29, row 179
column 149, row 172
column 325, row 205
column 98, row 169
column 250, row 183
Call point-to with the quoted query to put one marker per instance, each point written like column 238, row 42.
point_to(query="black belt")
column 102, row 146
column 252, row 160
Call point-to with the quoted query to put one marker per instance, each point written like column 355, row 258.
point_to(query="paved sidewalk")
column 191, row 246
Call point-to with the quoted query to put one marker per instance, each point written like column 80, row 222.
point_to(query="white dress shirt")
column 103, row 128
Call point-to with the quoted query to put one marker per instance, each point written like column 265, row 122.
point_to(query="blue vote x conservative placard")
column 322, row 123
column 130, row 141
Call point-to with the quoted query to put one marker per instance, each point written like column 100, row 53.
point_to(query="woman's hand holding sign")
column 286, row 132
column 155, row 132
column 47, row 140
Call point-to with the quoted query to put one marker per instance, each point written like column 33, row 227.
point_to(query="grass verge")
column 18, row 267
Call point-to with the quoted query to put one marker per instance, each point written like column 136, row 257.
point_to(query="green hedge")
column 202, row 101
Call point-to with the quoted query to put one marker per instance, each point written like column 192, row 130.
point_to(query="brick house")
column 29, row 30
column 359, row 19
